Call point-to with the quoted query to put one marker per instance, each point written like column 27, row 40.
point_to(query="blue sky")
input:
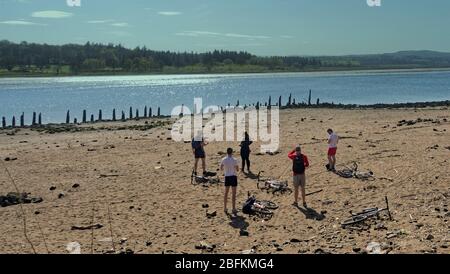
column 263, row 27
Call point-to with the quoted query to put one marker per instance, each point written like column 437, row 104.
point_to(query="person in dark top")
column 299, row 164
column 199, row 153
column 245, row 152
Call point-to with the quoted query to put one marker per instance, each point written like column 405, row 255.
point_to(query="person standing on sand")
column 198, row 144
column 333, row 140
column 245, row 152
column 230, row 167
column 299, row 164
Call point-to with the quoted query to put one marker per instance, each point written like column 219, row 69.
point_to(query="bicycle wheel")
column 282, row 191
column 262, row 212
column 354, row 220
column 268, row 204
column 345, row 173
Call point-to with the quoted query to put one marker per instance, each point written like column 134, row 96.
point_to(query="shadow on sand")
column 310, row 213
column 238, row 222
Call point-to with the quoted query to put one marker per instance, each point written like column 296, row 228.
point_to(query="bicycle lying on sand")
column 354, row 173
column 274, row 186
column 206, row 179
column 260, row 208
column 365, row 214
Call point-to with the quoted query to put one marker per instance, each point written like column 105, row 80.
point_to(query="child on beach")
column 230, row 167
column 198, row 144
column 333, row 140
column 299, row 164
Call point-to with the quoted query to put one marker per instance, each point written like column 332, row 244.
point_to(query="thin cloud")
column 21, row 23
column 195, row 33
column 99, row 21
column 169, row 13
column 120, row 25
column 287, row 36
column 53, row 14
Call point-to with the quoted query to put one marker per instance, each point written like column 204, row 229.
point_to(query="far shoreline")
column 322, row 71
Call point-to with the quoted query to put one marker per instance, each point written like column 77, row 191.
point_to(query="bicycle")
column 197, row 179
column 273, row 185
column 366, row 214
column 260, row 208
column 354, row 173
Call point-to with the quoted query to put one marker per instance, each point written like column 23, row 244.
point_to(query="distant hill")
column 401, row 59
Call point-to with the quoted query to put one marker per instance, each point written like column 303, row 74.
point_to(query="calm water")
column 54, row 96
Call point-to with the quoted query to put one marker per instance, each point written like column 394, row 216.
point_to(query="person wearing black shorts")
column 199, row 153
column 230, row 166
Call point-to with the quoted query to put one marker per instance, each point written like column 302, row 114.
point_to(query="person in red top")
column 299, row 164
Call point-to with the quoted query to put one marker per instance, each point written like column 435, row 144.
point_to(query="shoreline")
column 67, row 127
column 331, row 70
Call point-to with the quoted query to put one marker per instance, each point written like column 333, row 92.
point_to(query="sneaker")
column 305, row 205
column 295, row 204
column 234, row 211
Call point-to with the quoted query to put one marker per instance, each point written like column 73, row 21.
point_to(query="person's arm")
column 329, row 139
column 221, row 166
column 237, row 166
column 305, row 159
column 292, row 154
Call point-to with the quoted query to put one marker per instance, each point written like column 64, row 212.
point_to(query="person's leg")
column 225, row 199
column 233, row 198
column 204, row 164
column 330, row 162
column 248, row 163
column 243, row 162
column 195, row 165
column 303, row 188
column 334, row 161
column 296, row 190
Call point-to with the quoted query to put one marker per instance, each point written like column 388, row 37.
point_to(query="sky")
column 262, row 27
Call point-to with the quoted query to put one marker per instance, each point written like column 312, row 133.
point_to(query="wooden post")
column 137, row 114
column 131, row 113
column 3, row 122
column 318, row 101
column 92, row 118
column 100, row 118
column 309, row 98
column 22, row 120
column 145, row 112
column 34, row 119
column 159, row 112
column 279, row 102
column 257, row 105
column 40, row 119
column 293, row 101
column 270, row 101
column 150, row 112
column 123, row 115
column 75, row 121
column 290, row 99
column 13, row 122
column 237, row 104
column 84, row 116
column 114, row 115
column 182, row 110
column 68, row 117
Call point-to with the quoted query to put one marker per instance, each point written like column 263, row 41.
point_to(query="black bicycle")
column 366, row 214
column 207, row 179
column 354, row 173
column 260, row 208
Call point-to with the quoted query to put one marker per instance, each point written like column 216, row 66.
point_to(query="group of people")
column 230, row 166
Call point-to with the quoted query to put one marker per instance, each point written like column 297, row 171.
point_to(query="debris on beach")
column 73, row 248
column 14, row 198
column 211, row 215
column 87, row 227
column 249, row 251
column 205, row 246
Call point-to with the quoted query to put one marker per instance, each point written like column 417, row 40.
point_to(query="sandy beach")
column 135, row 185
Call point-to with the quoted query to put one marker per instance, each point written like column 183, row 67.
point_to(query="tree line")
column 94, row 57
